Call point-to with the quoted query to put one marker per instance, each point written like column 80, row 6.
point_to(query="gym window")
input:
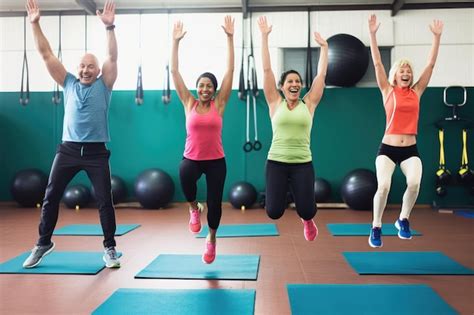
column 295, row 58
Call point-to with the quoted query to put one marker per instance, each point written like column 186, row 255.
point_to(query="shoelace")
column 194, row 216
column 377, row 233
column 112, row 253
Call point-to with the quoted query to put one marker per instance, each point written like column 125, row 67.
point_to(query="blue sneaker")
column 403, row 227
column 375, row 238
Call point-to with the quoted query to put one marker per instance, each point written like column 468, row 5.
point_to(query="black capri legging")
column 300, row 179
column 215, row 170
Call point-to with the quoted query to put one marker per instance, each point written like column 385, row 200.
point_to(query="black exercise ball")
column 76, row 196
column 358, row 189
column 28, row 187
column 322, row 190
column 242, row 194
column 154, row 188
column 348, row 59
column 119, row 189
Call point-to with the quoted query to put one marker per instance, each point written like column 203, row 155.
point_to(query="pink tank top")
column 204, row 134
column 402, row 108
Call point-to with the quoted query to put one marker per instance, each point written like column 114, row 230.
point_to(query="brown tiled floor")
column 287, row 258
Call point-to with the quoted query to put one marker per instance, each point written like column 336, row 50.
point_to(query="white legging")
column 412, row 169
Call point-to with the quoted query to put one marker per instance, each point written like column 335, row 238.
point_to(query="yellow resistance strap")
column 441, row 148
column 464, row 162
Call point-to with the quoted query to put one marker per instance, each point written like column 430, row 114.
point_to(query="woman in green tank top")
column 289, row 163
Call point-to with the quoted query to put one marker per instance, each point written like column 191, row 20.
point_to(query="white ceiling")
column 55, row 5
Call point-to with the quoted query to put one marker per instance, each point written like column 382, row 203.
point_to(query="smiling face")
column 88, row 69
column 404, row 77
column 291, row 86
column 401, row 74
column 205, row 89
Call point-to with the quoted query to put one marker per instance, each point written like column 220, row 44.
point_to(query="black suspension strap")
column 252, row 89
column 242, row 91
column 56, row 99
column 24, row 94
column 139, row 89
column 166, row 93
column 309, row 59
column 85, row 32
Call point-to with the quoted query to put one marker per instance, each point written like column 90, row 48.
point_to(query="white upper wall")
column 204, row 46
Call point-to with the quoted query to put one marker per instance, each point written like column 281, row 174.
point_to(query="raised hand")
column 108, row 13
column 178, row 32
column 437, row 27
column 373, row 25
column 263, row 25
column 33, row 11
column 228, row 26
column 321, row 41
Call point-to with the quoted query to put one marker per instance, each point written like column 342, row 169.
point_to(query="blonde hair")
column 397, row 65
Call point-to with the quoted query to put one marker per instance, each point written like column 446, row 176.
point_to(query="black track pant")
column 215, row 170
column 299, row 177
column 72, row 157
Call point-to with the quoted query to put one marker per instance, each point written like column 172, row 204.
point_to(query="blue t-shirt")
column 86, row 110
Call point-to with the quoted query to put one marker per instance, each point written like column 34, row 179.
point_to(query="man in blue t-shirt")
column 85, row 132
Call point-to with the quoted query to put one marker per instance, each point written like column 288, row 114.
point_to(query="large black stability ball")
column 242, row 194
column 76, row 196
column 348, row 59
column 322, row 190
column 154, row 188
column 358, row 189
column 119, row 189
column 28, row 187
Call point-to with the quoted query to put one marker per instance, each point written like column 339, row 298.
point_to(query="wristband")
column 110, row 27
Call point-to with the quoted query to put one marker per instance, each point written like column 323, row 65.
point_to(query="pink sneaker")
column 310, row 230
column 195, row 219
column 210, row 253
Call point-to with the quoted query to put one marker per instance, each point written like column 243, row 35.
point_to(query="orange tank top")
column 402, row 109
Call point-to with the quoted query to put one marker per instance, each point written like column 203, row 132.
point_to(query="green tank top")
column 291, row 134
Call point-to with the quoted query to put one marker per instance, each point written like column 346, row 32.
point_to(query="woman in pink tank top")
column 401, row 97
column 203, row 153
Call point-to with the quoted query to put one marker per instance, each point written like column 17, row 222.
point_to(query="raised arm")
column 315, row 93
column 54, row 66
column 183, row 93
column 380, row 74
column 436, row 28
column 109, row 68
column 269, row 84
column 226, row 88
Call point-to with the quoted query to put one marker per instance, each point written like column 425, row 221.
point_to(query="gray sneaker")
column 37, row 254
column 111, row 258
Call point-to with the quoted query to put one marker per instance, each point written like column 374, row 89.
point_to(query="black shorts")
column 398, row 154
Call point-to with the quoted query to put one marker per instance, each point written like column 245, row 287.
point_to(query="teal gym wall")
column 347, row 129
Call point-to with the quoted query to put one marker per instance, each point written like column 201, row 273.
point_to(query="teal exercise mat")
column 404, row 263
column 362, row 229
column 84, row 263
column 93, row 229
column 242, row 230
column 367, row 299
column 225, row 267
column 178, row 302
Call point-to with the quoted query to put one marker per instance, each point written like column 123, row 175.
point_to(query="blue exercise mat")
column 362, row 229
column 404, row 263
column 179, row 302
column 367, row 299
column 93, row 229
column 242, row 230
column 465, row 213
column 84, row 263
column 225, row 267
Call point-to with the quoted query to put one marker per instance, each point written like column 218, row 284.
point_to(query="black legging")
column 299, row 177
column 189, row 173
column 72, row 157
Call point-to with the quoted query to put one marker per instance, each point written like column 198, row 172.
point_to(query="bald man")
column 85, row 132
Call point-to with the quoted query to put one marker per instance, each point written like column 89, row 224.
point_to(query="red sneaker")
column 210, row 253
column 195, row 219
column 310, row 230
